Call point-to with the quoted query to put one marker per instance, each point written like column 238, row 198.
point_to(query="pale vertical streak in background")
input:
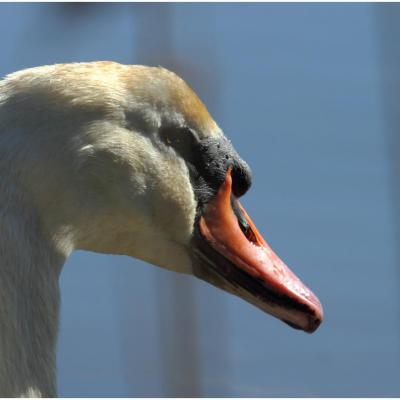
column 388, row 23
column 178, row 332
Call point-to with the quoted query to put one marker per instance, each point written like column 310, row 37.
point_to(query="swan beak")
column 231, row 254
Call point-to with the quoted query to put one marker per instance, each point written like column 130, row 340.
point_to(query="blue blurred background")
column 309, row 95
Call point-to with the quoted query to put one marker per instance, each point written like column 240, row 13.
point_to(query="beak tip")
column 314, row 324
column 308, row 322
column 315, row 320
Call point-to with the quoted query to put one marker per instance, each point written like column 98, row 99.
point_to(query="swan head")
column 127, row 160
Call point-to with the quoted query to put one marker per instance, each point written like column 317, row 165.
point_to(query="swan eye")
column 182, row 139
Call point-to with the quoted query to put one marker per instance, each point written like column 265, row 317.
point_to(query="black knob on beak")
column 241, row 178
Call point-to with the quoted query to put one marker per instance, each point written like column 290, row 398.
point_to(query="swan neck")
column 29, row 303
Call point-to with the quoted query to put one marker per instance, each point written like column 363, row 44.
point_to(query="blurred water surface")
column 305, row 93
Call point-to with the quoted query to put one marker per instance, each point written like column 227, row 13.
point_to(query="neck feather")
column 29, row 301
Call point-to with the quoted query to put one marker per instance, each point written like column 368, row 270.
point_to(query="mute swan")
column 126, row 160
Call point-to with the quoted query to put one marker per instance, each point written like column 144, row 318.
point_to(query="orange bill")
column 255, row 272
